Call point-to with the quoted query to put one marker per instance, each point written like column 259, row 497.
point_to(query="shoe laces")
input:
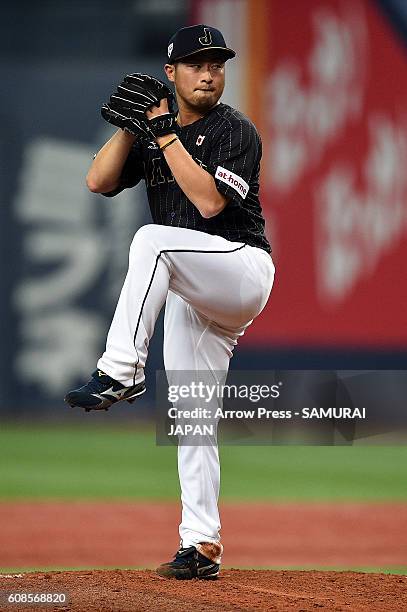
column 183, row 553
column 99, row 383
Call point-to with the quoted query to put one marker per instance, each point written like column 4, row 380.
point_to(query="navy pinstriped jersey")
column 228, row 146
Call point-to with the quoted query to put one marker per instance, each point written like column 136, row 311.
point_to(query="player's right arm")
column 105, row 173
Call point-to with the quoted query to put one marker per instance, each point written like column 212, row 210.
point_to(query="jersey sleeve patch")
column 232, row 180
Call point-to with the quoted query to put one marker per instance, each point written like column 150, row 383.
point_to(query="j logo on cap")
column 207, row 39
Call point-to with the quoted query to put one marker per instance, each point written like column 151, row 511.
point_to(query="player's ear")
column 170, row 72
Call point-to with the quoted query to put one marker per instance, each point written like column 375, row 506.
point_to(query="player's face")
column 199, row 82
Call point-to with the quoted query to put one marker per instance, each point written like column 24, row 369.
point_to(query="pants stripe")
column 151, row 282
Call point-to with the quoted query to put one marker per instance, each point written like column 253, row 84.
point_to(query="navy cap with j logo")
column 195, row 39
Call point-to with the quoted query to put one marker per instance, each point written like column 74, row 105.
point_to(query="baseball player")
column 205, row 256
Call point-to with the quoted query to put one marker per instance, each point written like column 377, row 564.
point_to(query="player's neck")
column 188, row 114
column 186, row 117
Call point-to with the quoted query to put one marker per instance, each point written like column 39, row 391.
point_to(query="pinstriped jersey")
column 227, row 145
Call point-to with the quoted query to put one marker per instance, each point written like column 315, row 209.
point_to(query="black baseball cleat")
column 101, row 391
column 190, row 563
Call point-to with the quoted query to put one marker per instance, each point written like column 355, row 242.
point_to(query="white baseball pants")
column 213, row 289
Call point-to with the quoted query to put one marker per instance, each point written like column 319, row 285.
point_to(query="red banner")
column 334, row 184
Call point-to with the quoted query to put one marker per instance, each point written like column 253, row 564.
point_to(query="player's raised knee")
column 146, row 233
column 147, row 230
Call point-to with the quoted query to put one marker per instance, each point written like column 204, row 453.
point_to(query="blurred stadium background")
column 325, row 81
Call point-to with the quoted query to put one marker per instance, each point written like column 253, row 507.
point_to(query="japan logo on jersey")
column 199, row 140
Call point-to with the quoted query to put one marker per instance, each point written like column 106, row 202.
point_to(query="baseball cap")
column 195, row 39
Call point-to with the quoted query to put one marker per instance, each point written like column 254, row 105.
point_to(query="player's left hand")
column 143, row 106
column 156, row 111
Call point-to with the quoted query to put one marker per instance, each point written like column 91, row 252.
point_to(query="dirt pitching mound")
column 239, row 590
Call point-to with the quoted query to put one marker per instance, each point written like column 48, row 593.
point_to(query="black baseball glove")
column 136, row 94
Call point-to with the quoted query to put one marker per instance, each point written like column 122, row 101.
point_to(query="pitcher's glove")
column 136, row 94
